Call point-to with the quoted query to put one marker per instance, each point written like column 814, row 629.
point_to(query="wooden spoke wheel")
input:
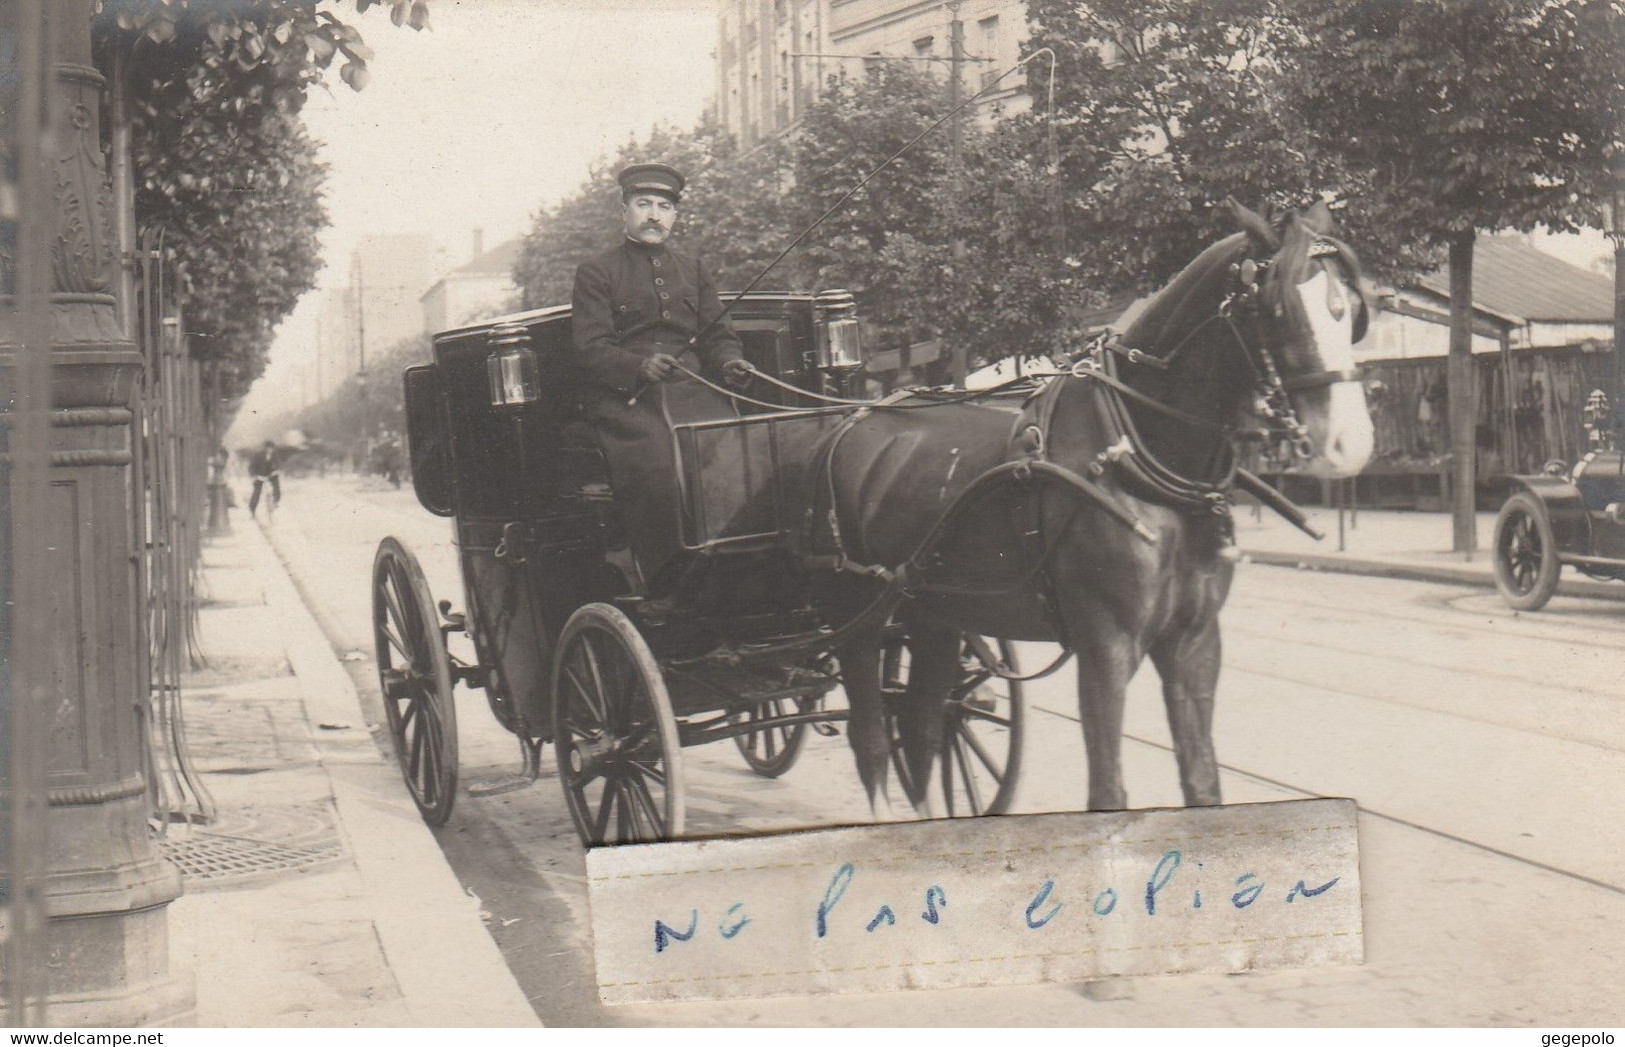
column 614, row 732
column 978, row 761
column 414, row 674
column 1525, row 555
column 771, row 750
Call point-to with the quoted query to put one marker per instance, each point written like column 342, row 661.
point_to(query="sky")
column 496, row 112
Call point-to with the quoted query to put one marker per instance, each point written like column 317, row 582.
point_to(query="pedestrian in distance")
column 263, row 469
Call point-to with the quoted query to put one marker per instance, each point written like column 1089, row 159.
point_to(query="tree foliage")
column 1165, row 108
column 226, row 175
column 893, row 243
column 1465, row 116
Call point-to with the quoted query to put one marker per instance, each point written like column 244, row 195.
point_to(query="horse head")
column 1298, row 301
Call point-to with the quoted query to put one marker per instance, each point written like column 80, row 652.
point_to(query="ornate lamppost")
column 103, row 952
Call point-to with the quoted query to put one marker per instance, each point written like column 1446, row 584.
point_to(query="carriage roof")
column 547, row 314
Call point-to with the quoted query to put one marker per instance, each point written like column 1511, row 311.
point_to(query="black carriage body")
column 530, row 498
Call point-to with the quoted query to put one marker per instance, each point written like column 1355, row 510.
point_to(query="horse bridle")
column 1274, row 391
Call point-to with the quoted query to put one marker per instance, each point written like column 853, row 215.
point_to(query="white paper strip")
column 985, row 901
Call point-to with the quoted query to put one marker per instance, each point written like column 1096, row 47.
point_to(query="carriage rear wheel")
column 1526, row 565
column 979, row 759
column 414, row 674
column 771, row 750
column 614, row 732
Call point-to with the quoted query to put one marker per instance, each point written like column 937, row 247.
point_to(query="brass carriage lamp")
column 840, row 345
column 511, row 369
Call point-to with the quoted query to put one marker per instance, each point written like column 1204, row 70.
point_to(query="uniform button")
column 659, row 282
column 656, row 261
column 664, row 295
column 664, row 315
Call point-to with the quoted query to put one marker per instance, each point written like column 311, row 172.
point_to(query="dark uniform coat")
column 634, row 301
column 629, row 303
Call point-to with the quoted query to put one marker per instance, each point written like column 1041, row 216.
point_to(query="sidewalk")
column 317, row 897
column 1391, row 544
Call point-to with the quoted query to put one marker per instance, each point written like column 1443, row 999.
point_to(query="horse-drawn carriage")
column 1574, row 517
column 872, row 545
column 570, row 644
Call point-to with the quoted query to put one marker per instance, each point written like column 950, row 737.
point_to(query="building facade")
column 377, row 307
column 774, row 56
column 481, row 287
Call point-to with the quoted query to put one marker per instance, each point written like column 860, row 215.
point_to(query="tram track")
column 1393, row 819
column 1527, row 630
column 1320, row 684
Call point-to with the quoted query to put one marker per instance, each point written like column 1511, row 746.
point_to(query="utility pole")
column 361, row 362
column 361, row 316
column 956, row 56
column 1616, row 236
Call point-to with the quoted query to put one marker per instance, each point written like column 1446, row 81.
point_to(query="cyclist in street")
column 263, row 469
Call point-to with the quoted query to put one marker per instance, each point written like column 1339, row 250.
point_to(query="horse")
column 1099, row 517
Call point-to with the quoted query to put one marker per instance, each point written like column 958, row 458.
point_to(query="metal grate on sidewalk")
column 250, row 845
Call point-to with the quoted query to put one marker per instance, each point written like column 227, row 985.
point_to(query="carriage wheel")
column 770, row 750
column 1526, row 564
column 979, row 760
column 414, row 674
column 614, row 732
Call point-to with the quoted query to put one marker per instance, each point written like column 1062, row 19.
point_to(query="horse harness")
column 1124, row 453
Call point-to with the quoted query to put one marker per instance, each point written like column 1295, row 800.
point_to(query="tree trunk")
column 1462, row 391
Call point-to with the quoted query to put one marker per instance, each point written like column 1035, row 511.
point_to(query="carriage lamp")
column 840, row 346
column 511, row 370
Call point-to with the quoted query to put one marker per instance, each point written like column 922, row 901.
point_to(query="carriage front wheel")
column 984, row 729
column 614, row 732
column 1526, row 565
column 414, row 674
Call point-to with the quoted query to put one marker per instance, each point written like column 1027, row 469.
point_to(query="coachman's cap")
column 652, row 178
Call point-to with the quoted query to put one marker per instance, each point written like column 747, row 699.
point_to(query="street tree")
column 1164, row 108
column 224, row 175
column 893, row 243
column 1463, row 118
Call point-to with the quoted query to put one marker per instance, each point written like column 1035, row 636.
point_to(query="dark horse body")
column 1033, row 559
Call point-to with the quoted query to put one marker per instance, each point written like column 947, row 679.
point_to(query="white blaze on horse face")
column 1340, row 423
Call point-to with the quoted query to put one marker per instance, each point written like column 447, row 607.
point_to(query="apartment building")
column 773, row 56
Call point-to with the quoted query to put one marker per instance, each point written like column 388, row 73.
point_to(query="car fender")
column 1565, row 510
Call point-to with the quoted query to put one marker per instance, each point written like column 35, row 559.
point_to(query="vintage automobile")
column 1574, row 517
column 566, row 643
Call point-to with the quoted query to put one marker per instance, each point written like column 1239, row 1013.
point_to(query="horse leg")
column 1105, row 666
column 866, row 727
column 933, row 672
column 1189, row 666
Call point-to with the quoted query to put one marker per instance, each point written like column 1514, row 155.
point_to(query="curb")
column 449, row 969
column 1465, row 576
